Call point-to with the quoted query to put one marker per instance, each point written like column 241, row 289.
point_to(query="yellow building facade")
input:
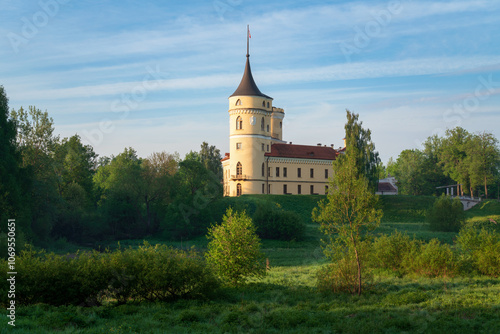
column 259, row 161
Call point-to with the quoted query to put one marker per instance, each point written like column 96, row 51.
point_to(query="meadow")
column 286, row 299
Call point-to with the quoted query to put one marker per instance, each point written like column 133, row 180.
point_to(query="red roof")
column 386, row 187
column 225, row 157
column 302, row 152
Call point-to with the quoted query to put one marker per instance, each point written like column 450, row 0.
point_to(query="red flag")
column 249, row 36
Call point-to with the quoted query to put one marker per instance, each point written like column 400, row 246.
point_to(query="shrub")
column 389, row 251
column 480, row 250
column 431, row 259
column 272, row 222
column 446, row 215
column 234, row 248
column 148, row 273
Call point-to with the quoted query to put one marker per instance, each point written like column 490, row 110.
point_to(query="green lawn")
column 286, row 301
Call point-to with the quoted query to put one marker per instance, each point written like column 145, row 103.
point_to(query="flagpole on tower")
column 248, row 38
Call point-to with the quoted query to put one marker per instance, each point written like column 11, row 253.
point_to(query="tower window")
column 263, row 170
column 262, row 124
column 284, row 171
column 264, row 103
column 268, row 171
column 268, row 104
column 238, row 146
column 277, row 172
column 239, row 169
column 312, row 172
column 238, row 102
column 299, row 172
column 267, row 147
column 281, row 125
column 262, row 147
column 268, row 128
column 238, row 189
column 326, row 173
column 239, row 123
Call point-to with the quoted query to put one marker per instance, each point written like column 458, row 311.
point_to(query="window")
column 312, row 189
column 264, row 104
column 268, row 104
column 277, row 172
column 281, row 125
column 284, row 171
column 239, row 169
column 268, row 128
column 263, row 169
column 312, row 172
column 238, row 146
column 262, row 147
column 239, row 123
column 262, row 124
column 263, row 188
column 299, row 189
column 326, row 173
column 299, row 172
column 284, row 189
column 267, row 147
column 269, row 188
column 268, row 171
column 326, row 190
column 238, row 189
column 238, row 102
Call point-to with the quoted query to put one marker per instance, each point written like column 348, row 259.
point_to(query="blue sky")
column 156, row 75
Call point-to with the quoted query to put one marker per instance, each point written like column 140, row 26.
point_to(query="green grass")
column 286, row 301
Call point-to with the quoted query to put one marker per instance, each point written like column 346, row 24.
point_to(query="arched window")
column 262, row 124
column 264, row 104
column 239, row 169
column 238, row 189
column 238, row 102
column 239, row 123
column 263, row 169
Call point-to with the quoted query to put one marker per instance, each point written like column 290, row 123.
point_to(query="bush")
column 480, row 250
column 148, row 273
column 272, row 222
column 446, row 215
column 234, row 248
column 389, row 251
column 431, row 259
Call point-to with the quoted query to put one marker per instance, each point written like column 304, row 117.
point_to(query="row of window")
column 285, row 172
column 239, row 124
column 238, row 103
column 285, row 189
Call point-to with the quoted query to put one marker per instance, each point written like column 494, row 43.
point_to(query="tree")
column 483, row 160
column 10, row 191
column 446, row 214
column 234, row 248
column 210, row 157
column 36, row 144
column 347, row 217
column 453, row 154
column 358, row 141
column 157, row 171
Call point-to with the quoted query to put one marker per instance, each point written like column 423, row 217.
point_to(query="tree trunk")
column 359, row 271
column 485, row 187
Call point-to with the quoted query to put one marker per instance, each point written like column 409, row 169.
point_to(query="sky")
column 156, row 75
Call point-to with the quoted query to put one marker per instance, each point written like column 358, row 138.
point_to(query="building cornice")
column 249, row 111
column 300, row 161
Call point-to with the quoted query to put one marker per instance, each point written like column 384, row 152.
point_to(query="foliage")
column 272, row 222
column 446, row 215
column 148, row 273
column 359, row 144
column 348, row 216
column 432, row 259
column 389, row 251
column 234, row 248
column 480, row 249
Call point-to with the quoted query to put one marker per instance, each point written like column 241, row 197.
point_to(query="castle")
column 260, row 161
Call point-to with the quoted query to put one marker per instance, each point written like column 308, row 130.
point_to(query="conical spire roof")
column 247, row 86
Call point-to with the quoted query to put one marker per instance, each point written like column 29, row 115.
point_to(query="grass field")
column 286, row 300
